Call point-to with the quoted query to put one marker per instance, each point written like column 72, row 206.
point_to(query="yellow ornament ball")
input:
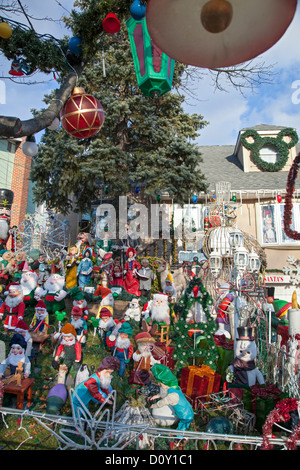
column 5, row 30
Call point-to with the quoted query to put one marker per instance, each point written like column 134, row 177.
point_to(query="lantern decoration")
column 82, row 115
column 279, row 198
column 236, row 238
column 217, row 33
column 5, row 30
column 254, row 262
column 138, row 10
column 195, row 199
column 29, row 147
column 154, row 69
column 74, row 46
column 215, row 262
column 111, row 24
column 241, row 258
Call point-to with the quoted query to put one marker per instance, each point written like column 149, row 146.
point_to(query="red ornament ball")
column 279, row 198
column 82, row 115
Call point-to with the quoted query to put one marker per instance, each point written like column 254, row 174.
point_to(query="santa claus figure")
column 159, row 314
column 69, row 349
column 13, row 307
column 23, row 329
column 16, row 355
column 133, row 311
column 79, row 323
column 107, row 298
column 40, row 321
column 106, row 324
column 122, row 346
column 78, row 300
column 53, row 293
column 29, row 283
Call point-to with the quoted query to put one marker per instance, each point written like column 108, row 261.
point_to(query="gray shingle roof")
column 220, row 164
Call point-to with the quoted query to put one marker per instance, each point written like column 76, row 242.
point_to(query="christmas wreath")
column 277, row 142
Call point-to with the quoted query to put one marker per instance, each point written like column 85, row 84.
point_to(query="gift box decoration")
column 199, row 381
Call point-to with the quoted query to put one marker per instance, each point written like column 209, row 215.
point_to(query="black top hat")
column 6, row 198
column 84, row 226
column 246, row 332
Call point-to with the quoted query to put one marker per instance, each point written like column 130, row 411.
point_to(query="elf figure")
column 40, row 320
column 69, row 349
column 97, row 387
column 78, row 300
column 169, row 288
column 85, row 268
column 79, row 323
column 171, row 395
column 106, row 324
column 122, row 346
column 13, row 307
column 17, row 354
column 23, row 330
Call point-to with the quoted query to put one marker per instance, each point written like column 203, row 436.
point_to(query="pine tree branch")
column 14, row 127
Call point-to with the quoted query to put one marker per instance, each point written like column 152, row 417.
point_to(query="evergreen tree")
column 143, row 140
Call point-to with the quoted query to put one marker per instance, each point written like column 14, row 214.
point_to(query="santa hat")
column 40, row 305
column 25, row 267
column 18, row 339
column 109, row 362
column 103, row 291
column 144, row 337
column 76, row 311
column 11, row 286
column 160, row 296
column 105, row 312
column 21, row 325
column 68, row 329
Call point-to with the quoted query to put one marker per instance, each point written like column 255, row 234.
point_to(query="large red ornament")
column 82, row 115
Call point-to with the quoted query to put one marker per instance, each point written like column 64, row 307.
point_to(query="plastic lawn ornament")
column 82, row 115
column 217, row 33
column 154, row 69
column 5, row 30
column 138, row 10
column 95, row 323
column 59, row 317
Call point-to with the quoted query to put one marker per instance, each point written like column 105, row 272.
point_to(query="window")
column 269, row 154
column 271, row 224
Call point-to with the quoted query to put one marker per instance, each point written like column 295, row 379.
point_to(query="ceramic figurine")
column 122, row 346
column 85, row 268
column 29, row 283
column 159, row 314
column 53, row 293
column 131, row 282
column 69, row 349
column 79, row 323
column 23, row 330
column 78, row 300
column 17, row 354
column 106, row 324
column 13, row 307
column 146, row 277
column 133, row 312
column 40, row 320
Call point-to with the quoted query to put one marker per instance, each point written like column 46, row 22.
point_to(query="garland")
column 281, row 413
column 290, row 188
column 278, row 142
column 184, row 348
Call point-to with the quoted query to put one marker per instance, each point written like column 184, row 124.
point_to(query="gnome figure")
column 106, row 324
column 13, row 307
column 159, row 314
column 40, row 320
column 79, row 323
column 23, row 330
column 17, row 354
column 97, row 387
column 243, row 367
column 29, row 283
column 122, row 346
column 143, row 357
column 69, row 349
column 53, row 293
column 78, row 300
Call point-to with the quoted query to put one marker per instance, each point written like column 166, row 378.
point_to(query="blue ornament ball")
column 137, row 189
column 195, row 199
column 75, row 45
column 138, row 10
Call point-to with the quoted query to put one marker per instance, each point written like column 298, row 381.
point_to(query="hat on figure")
column 246, row 333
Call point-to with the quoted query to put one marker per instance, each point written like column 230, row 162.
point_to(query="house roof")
column 221, row 164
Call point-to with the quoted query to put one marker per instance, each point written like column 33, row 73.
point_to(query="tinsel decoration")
column 288, row 206
column 281, row 413
column 277, row 142
column 184, row 348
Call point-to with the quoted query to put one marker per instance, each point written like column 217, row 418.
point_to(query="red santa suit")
column 13, row 307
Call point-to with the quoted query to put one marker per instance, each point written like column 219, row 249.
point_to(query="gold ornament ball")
column 5, row 30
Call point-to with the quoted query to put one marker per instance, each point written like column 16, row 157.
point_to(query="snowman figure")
column 243, row 370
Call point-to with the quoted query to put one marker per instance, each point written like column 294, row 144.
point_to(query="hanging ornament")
column 138, row 10
column 29, row 147
column 158, row 198
column 82, row 115
column 75, row 45
column 233, row 197
column 137, row 190
column 15, row 68
column 73, row 59
column 195, row 199
column 5, row 30
column 111, row 24
column 106, row 189
column 54, row 125
column 279, row 198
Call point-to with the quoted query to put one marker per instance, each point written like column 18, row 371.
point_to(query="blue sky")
column 228, row 112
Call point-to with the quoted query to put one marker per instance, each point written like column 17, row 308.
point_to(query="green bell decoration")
column 154, row 69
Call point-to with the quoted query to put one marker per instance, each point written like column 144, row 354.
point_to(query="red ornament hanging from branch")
column 82, row 115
